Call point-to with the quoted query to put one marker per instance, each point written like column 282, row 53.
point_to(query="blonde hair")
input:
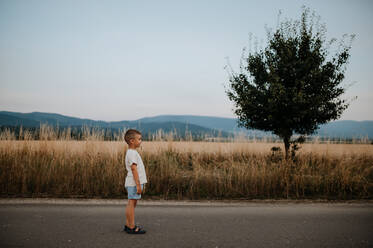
column 130, row 134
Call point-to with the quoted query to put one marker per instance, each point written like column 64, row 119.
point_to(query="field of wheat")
column 186, row 170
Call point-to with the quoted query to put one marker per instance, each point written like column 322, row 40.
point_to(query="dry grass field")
column 62, row 167
column 263, row 148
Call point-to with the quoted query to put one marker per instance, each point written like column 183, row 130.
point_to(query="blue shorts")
column 132, row 192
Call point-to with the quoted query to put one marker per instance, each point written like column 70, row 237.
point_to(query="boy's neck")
column 132, row 147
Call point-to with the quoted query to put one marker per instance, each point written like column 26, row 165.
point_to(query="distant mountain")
column 34, row 119
column 9, row 119
column 220, row 123
column 347, row 129
column 197, row 125
column 336, row 129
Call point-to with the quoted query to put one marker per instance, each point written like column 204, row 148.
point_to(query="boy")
column 135, row 180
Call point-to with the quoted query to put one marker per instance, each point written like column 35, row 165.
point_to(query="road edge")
column 74, row 201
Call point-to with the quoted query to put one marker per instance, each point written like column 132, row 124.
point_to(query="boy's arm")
column 136, row 177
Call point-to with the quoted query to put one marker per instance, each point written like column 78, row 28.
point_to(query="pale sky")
column 123, row 60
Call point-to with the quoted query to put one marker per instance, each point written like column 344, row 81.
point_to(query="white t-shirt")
column 132, row 156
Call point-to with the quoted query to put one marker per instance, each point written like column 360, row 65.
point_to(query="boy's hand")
column 138, row 189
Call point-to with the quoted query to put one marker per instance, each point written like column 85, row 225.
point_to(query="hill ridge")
column 196, row 123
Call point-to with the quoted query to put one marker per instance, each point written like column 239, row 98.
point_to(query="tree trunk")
column 287, row 146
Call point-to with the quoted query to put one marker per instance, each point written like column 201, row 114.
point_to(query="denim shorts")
column 132, row 192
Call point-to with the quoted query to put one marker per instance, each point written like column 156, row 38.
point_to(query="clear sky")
column 123, row 60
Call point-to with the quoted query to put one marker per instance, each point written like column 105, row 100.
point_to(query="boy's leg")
column 130, row 213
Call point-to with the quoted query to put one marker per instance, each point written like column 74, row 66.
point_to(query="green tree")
column 294, row 84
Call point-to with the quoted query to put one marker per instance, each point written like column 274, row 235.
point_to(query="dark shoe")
column 126, row 228
column 135, row 230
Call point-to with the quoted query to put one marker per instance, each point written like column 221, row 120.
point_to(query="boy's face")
column 136, row 141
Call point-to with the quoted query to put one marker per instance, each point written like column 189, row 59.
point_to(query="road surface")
column 186, row 224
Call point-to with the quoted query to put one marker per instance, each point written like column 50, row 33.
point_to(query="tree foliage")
column 294, row 84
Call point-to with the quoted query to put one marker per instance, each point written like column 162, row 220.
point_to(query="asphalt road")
column 188, row 225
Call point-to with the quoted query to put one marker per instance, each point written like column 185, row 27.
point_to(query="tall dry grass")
column 185, row 170
column 56, row 165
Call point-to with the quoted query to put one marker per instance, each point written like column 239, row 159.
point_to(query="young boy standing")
column 135, row 180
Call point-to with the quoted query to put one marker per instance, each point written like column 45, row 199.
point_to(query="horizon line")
column 139, row 119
